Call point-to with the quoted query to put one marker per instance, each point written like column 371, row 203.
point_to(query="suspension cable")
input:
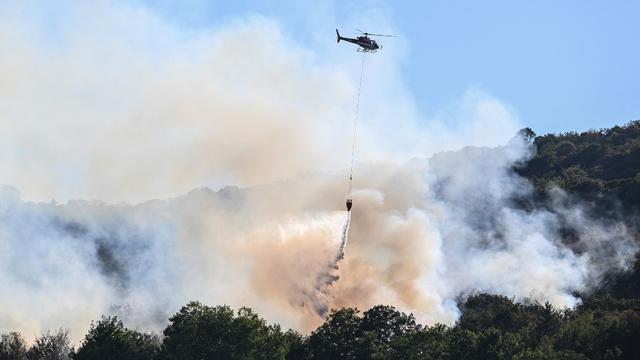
column 355, row 126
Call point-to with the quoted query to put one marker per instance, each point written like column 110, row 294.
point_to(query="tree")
column 527, row 134
column 198, row 331
column 463, row 344
column 548, row 354
column 496, row 344
column 424, row 344
column 296, row 346
column 483, row 311
column 339, row 337
column 575, row 179
column 203, row 332
column 51, row 346
column 252, row 338
column 602, row 330
column 565, row 148
column 109, row 339
column 12, row 347
column 379, row 327
column 548, row 322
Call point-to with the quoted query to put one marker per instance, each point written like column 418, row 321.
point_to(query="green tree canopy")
column 109, row 339
column 338, row 337
column 204, row 332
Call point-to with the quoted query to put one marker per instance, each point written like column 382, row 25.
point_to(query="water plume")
column 343, row 241
column 331, row 274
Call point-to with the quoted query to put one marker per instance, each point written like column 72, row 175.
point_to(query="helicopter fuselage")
column 364, row 42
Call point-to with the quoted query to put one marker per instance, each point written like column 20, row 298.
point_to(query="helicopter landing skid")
column 366, row 51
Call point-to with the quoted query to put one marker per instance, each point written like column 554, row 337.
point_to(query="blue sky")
column 561, row 65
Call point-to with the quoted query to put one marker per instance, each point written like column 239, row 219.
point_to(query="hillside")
column 600, row 168
column 596, row 173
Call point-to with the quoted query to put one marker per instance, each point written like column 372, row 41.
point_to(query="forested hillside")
column 602, row 166
column 599, row 169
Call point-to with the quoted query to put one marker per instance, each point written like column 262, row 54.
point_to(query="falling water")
column 331, row 275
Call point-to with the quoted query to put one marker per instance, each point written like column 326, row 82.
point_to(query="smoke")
column 126, row 108
column 422, row 234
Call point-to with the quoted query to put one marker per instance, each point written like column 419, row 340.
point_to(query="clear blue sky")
column 562, row 65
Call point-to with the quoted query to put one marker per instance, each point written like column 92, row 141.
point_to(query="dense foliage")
column 490, row 327
column 110, row 339
column 599, row 168
column 240, row 335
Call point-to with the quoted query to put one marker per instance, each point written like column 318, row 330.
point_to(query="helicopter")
column 365, row 43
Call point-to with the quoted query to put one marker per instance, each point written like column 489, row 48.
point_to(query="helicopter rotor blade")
column 380, row 35
column 370, row 34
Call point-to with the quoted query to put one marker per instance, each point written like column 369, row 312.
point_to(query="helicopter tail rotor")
column 338, row 36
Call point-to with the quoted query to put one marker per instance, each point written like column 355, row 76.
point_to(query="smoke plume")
column 149, row 118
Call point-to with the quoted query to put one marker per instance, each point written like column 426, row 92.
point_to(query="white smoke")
column 423, row 234
column 493, row 245
column 125, row 107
